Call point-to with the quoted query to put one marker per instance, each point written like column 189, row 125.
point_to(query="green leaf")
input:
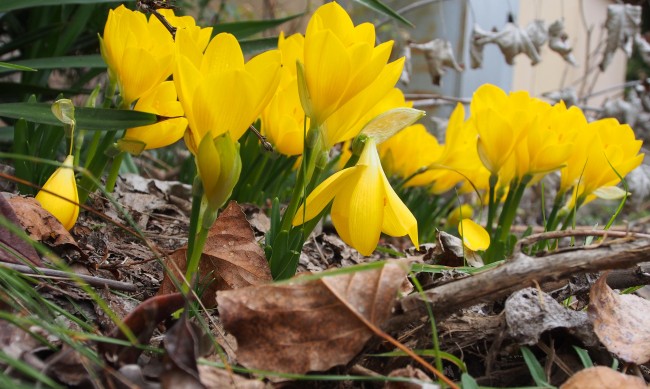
column 4, row 66
column 87, row 118
column 468, row 381
column 77, row 61
column 535, row 368
column 384, row 9
column 10, row 5
column 256, row 46
column 252, row 27
column 584, row 357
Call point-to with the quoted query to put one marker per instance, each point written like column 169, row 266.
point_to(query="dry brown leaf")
column 42, row 225
column 419, row 379
column 514, row 40
column 215, row 378
column 13, row 241
column 231, row 257
column 439, row 55
column 601, row 377
column 623, row 23
column 621, row 322
column 306, row 326
column 558, row 41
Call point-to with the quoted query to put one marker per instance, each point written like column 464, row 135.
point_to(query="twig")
column 94, row 281
column 520, row 271
column 567, row 233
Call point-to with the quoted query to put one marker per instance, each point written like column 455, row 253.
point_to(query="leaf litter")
column 312, row 323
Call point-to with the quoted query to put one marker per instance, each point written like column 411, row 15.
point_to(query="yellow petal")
column 324, row 193
column 158, row 135
column 398, row 219
column 223, row 54
column 366, row 211
column 474, row 236
column 63, row 201
column 140, row 72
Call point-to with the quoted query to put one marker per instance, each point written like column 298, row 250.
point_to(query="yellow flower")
column 161, row 100
column 63, row 201
column 475, row 237
column 219, row 92
column 140, row 53
column 283, row 120
column 341, row 61
column 500, row 121
column 364, row 204
column 409, row 150
column 219, row 165
column 607, row 143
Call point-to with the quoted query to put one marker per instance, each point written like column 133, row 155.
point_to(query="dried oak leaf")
column 309, row 325
column 13, row 241
column 558, row 41
column 623, row 23
column 621, row 322
column 43, row 226
column 601, row 377
column 438, row 54
column 514, row 40
column 231, row 257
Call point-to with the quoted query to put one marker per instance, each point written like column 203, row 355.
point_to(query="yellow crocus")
column 341, row 61
column 408, row 151
column 283, row 119
column 607, row 143
column 161, row 100
column 475, row 237
column 59, row 194
column 500, row 120
column 218, row 90
column 140, row 52
column 364, row 204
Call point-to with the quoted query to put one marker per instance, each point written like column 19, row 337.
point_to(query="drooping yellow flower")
column 364, row 204
column 140, row 52
column 283, row 119
column 341, row 61
column 475, row 237
column 59, row 195
column 219, row 165
column 219, row 92
column 161, row 100
column 606, row 143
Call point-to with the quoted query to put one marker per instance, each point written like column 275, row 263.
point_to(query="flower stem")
column 510, row 209
column 492, row 202
column 111, row 179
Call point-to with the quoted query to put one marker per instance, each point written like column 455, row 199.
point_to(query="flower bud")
column 59, row 195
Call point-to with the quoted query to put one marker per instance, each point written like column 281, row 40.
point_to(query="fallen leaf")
column 43, row 226
column 231, row 257
column 215, row 378
column 621, row 322
column 142, row 322
column 529, row 314
column 601, row 377
column 512, row 41
column 13, row 241
column 558, row 41
column 310, row 325
column 182, row 349
column 419, row 380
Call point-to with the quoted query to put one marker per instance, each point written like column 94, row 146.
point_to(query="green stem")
column 492, row 202
column 195, row 257
column 114, row 172
column 195, row 216
column 511, row 211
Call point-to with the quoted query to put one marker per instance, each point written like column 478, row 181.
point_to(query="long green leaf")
column 10, row 5
column 87, row 118
column 252, row 27
column 78, row 61
column 5, row 67
column 384, row 9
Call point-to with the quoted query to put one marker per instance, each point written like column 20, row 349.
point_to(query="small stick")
column 152, row 6
column 265, row 143
column 94, row 281
column 567, row 233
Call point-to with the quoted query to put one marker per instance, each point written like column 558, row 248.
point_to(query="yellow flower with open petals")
column 341, row 61
column 364, row 204
column 219, row 92
column 65, row 206
column 160, row 101
column 140, row 52
column 475, row 237
column 606, row 143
